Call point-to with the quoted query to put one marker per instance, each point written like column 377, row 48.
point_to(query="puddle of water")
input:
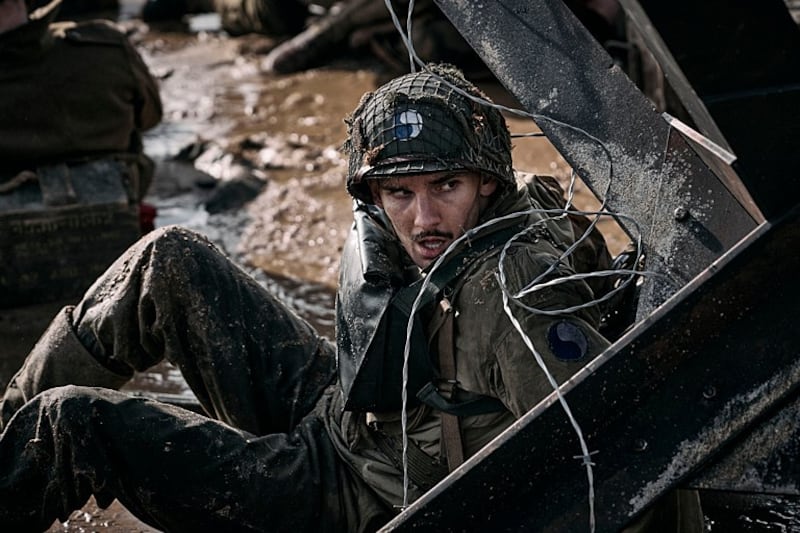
column 130, row 9
column 288, row 129
column 204, row 22
column 726, row 512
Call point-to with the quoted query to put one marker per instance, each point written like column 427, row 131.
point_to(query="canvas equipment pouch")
column 111, row 179
column 61, row 226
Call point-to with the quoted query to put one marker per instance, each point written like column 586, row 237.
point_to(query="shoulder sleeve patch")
column 567, row 341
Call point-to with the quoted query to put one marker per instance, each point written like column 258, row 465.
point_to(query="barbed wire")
column 537, row 284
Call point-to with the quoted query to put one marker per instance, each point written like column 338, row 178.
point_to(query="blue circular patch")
column 407, row 125
column 567, row 341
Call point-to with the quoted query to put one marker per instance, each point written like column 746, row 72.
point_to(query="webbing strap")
column 452, row 444
column 425, row 471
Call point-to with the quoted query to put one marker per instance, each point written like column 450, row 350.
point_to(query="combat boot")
column 58, row 358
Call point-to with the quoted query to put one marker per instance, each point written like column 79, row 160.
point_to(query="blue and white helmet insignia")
column 407, row 125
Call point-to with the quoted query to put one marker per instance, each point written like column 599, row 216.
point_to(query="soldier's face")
column 430, row 211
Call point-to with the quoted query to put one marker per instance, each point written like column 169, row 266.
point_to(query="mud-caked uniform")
column 496, row 376
column 302, row 433
column 73, row 92
column 261, row 369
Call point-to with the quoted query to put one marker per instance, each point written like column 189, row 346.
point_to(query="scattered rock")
column 234, row 194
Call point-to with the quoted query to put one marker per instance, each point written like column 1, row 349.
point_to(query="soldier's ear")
column 375, row 192
column 488, row 185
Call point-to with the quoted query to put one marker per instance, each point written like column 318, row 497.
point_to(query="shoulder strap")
column 451, row 442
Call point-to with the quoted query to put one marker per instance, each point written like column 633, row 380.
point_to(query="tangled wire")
column 512, row 301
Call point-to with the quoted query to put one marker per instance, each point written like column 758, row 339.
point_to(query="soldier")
column 277, row 18
column 303, row 434
column 300, row 39
column 73, row 92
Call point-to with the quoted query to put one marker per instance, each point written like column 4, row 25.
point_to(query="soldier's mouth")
column 432, row 247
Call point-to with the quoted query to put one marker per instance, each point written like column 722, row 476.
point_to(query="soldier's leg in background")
column 172, row 468
column 276, row 18
column 250, row 360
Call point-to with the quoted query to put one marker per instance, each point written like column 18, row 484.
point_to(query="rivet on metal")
column 680, row 213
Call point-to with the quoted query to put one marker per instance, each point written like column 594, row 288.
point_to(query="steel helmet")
column 419, row 123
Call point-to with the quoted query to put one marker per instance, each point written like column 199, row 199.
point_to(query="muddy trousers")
column 174, row 469
column 262, row 461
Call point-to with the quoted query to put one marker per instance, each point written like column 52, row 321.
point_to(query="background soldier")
column 72, row 92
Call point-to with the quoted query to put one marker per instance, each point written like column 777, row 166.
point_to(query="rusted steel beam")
column 554, row 67
column 736, row 68
column 764, row 461
column 667, row 398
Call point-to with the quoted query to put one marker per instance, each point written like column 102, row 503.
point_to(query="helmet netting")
column 419, row 123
